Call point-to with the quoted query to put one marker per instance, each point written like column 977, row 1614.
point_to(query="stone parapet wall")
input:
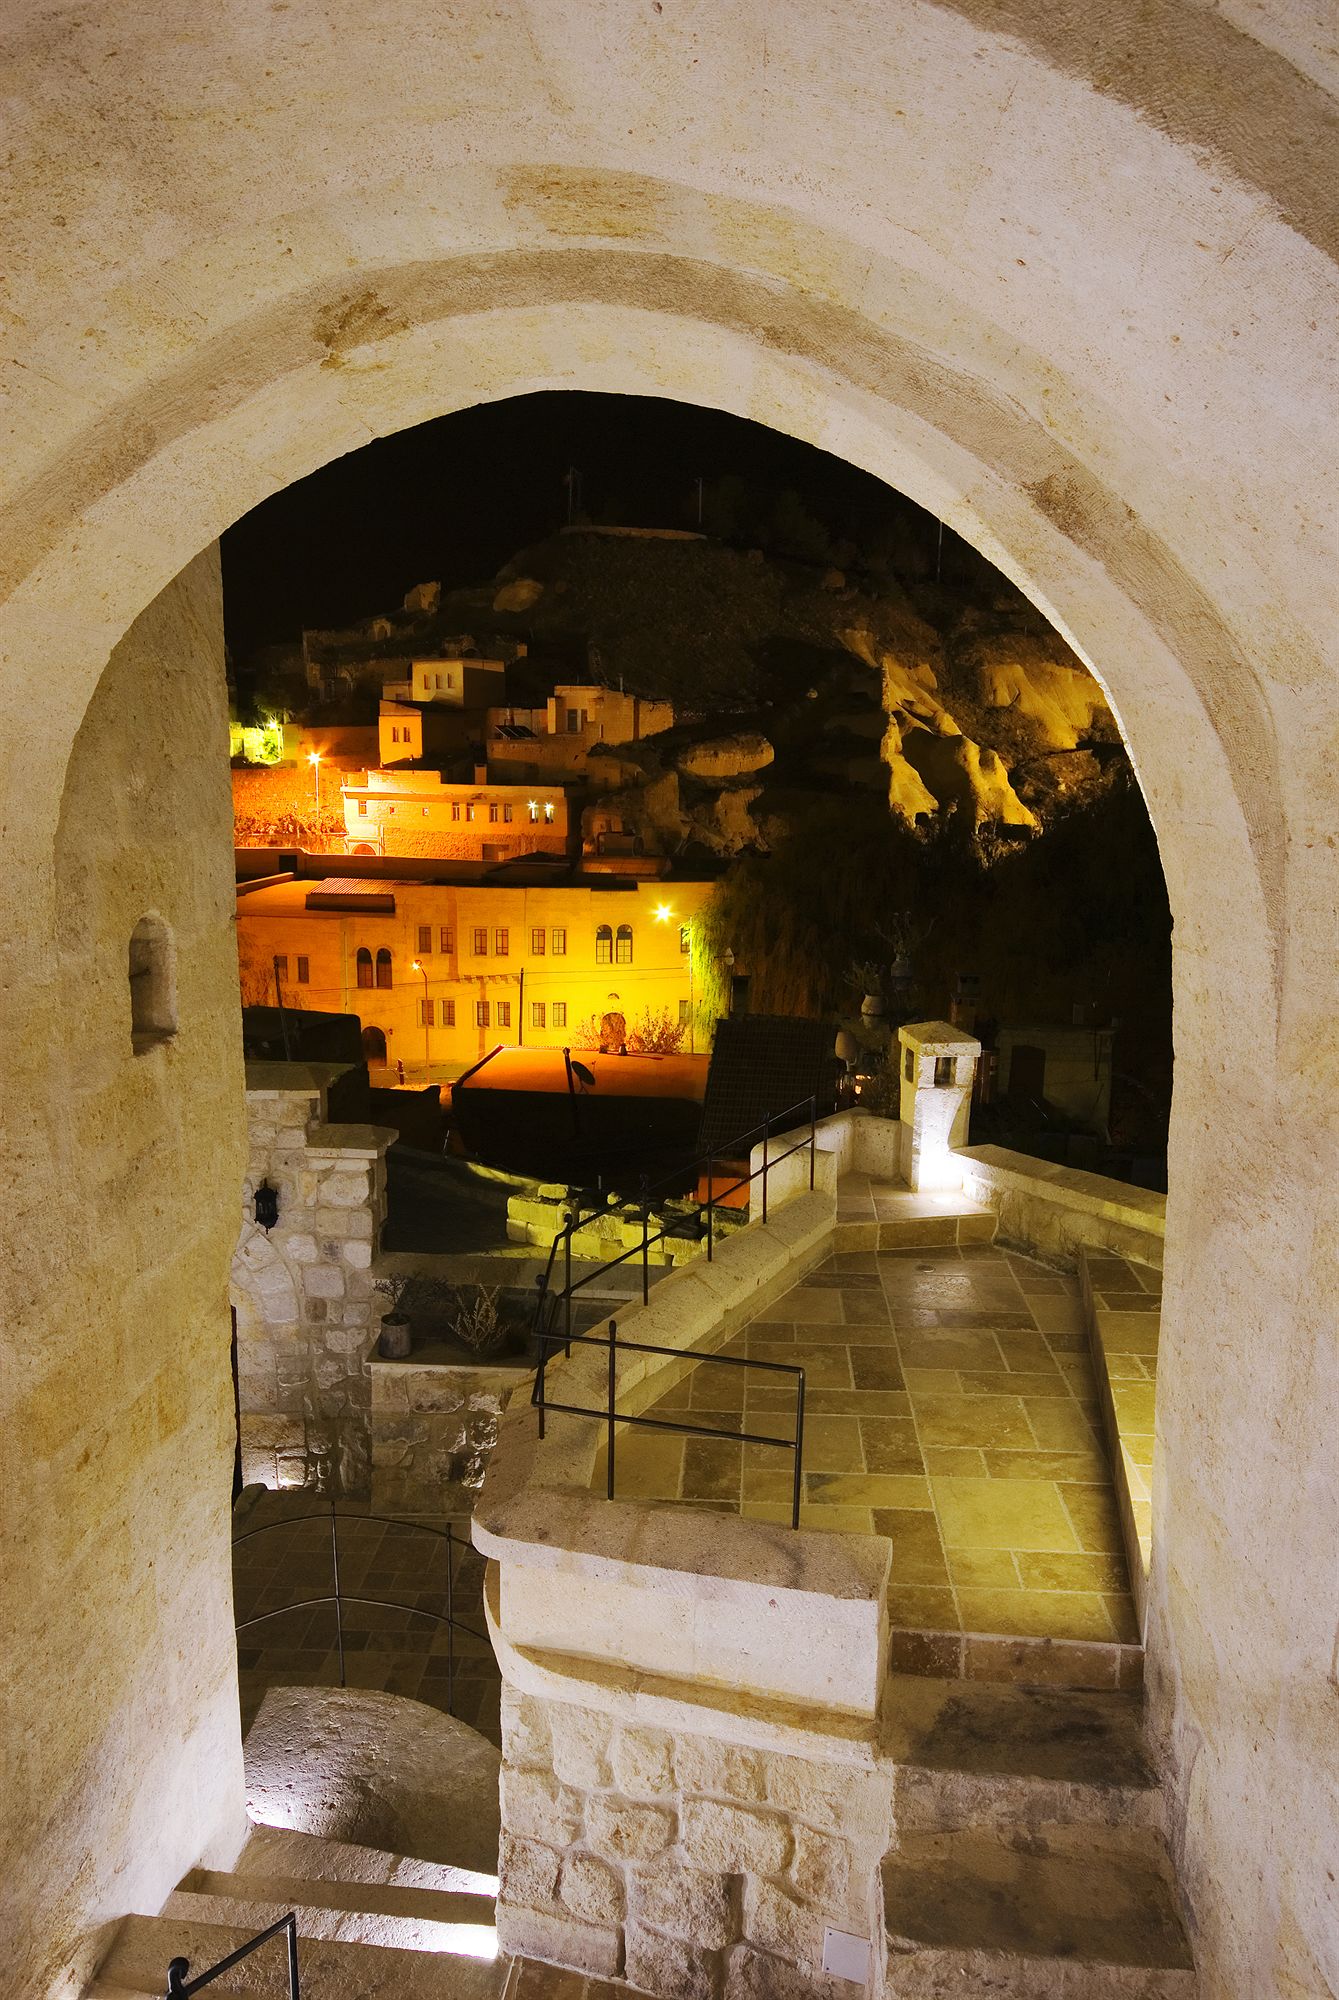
column 1054, row 1212
column 695, row 1866
column 433, row 1428
column 302, row 1291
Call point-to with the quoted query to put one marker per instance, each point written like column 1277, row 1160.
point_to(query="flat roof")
column 615, row 1076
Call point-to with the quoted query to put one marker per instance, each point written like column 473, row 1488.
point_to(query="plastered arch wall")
column 1046, row 268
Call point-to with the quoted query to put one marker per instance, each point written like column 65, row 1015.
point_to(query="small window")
column 425, row 812
column 573, row 721
column 437, row 680
column 469, row 812
column 364, row 964
column 481, row 1013
column 480, row 941
column 383, row 967
column 537, row 937
column 390, row 809
column 281, row 965
column 684, row 1011
column 506, row 814
column 559, row 941
column 362, row 807
column 395, row 734
column 548, row 811
column 560, row 1013
column 447, row 938
column 537, row 1011
column 501, row 943
column 455, row 811
column 304, row 971
column 450, row 678
column 623, row 953
column 492, row 815
column 909, row 1067
column 424, row 940
column 448, row 1013
column 153, row 985
column 533, row 810
column 943, row 1071
column 604, row 945
column 504, row 1013
column 425, row 1013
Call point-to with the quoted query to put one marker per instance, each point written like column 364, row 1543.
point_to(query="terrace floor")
column 950, row 1405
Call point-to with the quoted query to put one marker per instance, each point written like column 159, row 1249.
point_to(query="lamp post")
column 427, row 1064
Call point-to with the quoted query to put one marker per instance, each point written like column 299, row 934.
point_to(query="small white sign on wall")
column 845, row 1955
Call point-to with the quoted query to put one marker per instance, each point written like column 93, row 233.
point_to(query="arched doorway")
column 927, row 275
column 374, row 1045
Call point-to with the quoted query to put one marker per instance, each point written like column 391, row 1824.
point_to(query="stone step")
column 966, row 1224
column 988, row 1755
column 336, row 1970
column 418, row 1919
column 284, row 1851
column 976, row 1914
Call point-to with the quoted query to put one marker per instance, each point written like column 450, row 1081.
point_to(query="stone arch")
column 896, row 238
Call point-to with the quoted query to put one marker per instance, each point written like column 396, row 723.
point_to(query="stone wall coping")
column 1067, row 1187
column 634, row 1696
column 937, row 1035
column 292, row 1079
column 361, row 1142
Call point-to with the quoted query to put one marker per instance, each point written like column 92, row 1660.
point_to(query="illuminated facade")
column 418, row 812
column 472, row 964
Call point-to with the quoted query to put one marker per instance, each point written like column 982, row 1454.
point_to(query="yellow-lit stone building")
column 441, row 972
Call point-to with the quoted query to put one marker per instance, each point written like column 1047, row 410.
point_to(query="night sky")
column 454, row 499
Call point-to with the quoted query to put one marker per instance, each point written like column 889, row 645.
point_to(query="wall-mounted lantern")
column 266, row 1206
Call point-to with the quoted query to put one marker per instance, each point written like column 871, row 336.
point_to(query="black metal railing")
column 549, row 1304
column 339, row 1597
column 543, row 1402
column 179, row 1987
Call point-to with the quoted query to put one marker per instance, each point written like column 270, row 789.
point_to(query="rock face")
column 376, row 1769
column 518, row 596
column 727, row 756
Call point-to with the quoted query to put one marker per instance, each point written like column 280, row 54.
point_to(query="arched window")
column 364, row 963
column 153, row 985
column 623, row 954
column 604, row 945
column 383, row 967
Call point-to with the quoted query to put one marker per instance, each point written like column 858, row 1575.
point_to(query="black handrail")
column 339, row 1598
column 540, row 1399
column 546, row 1305
column 179, row 1987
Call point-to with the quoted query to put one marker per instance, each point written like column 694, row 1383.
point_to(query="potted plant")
column 396, row 1336
column 867, row 978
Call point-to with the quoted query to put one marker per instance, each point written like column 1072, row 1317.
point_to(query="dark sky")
column 453, row 499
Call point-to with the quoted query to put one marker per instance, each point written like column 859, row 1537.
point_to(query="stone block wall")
column 303, row 1291
column 695, row 1867
column 434, row 1426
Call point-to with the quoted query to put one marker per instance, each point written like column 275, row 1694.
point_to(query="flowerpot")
column 871, row 1007
column 396, row 1337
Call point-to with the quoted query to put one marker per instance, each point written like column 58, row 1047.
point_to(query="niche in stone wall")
column 153, row 984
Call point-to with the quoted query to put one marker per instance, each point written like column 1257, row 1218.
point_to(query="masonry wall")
column 303, row 1294
column 123, row 1759
column 696, row 1867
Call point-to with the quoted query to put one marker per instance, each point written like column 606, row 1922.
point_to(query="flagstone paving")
column 950, row 1405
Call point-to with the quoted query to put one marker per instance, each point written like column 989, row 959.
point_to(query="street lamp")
column 427, row 1064
column 314, row 759
column 728, row 960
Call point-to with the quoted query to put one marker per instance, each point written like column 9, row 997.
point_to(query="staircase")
column 1030, row 1861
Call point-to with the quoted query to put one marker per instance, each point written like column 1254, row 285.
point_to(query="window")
column 537, row 1011
column 469, row 812
column 455, row 811
column 548, row 811
column 537, row 937
column 573, row 721
column 362, row 807
column 304, row 971
column 943, row 1071
column 559, row 941
column 492, row 815
column 450, row 678
column 623, row 953
column 533, row 810
column 424, row 940
column 560, row 1013
column 448, row 1013
column 504, row 1013
column 684, row 1011
column 153, row 985
column 501, row 943
column 604, row 945
column 437, row 680
column 481, row 1013
column 480, row 941
column 364, row 964
column 425, row 812
column 447, row 938
column 281, row 965
column 395, row 733
column 685, row 938
column 506, row 814
column 383, row 967
column 425, row 1013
